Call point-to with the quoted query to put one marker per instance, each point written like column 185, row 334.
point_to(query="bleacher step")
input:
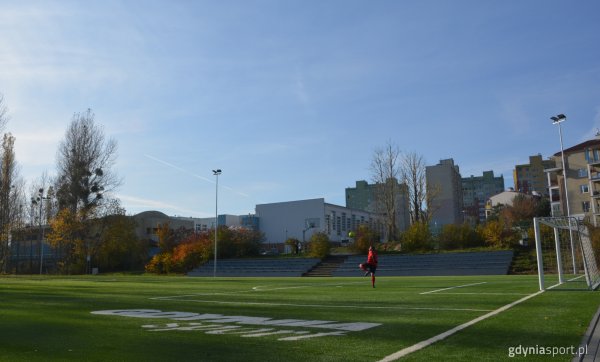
column 326, row 267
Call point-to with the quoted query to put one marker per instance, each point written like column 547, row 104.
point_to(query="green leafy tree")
column 498, row 235
column 319, row 245
column 294, row 244
column 365, row 237
column 120, row 249
column 65, row 237
column 459, row 237
column 237, row 242
column 417, row 238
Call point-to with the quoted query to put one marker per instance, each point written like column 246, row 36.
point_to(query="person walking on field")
column 371, row 265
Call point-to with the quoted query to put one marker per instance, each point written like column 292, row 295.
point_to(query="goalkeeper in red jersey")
column 371, row 265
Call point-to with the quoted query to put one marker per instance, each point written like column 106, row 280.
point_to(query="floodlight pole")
column 40, row 199
column 216, row 173
column 538, row 252
column 558, row 120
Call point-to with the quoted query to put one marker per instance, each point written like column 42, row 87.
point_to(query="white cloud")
column 38, row 148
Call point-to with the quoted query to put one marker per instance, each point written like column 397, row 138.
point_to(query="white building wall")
column 339, row 221
column 207, row 223
column 282, row 220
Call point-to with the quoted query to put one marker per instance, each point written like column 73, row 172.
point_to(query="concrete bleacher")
column 464, row 263
column 256, row 267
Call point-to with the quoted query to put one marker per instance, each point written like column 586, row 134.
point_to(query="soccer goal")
column 564, row 252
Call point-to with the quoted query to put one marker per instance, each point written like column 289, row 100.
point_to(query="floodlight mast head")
column 216, row 172
column 558, row 118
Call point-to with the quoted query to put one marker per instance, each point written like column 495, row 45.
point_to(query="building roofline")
column 580, row 146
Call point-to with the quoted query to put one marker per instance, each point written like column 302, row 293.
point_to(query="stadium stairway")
column 326, row 267
column 460, row 263
column 256, row 267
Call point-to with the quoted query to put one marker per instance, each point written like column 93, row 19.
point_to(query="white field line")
column 482, row 293
column 182, row 298
column 260, row 288
column 439, row 337
column 450, row 332
column 458, row 286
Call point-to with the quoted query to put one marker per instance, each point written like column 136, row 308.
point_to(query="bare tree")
column 388, row 166
column 10, row 197
column 85, row 158
column 3, row 113
column 385, row 170
column 413, row 175
column 433, row 191
column 84, row 162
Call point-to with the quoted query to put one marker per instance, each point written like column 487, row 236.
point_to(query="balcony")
column 592, row 162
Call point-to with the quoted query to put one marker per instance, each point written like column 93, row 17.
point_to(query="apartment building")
column 444, row 183
column 530, row 178
column 476, row 191
column 582, row 164
column 364, row 197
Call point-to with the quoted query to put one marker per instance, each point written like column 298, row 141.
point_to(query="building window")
column 584, row 188
column 592, row 155
column 582, row 172
column 585, row 205
column 556, row 211
column 333, row 226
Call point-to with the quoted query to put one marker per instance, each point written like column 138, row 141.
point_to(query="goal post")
column 569, row 254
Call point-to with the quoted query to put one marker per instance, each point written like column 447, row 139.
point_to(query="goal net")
column 564, row 253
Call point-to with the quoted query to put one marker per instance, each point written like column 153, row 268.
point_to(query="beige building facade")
column 582, row 164
column 529, row 178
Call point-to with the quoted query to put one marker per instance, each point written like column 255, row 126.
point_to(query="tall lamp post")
column 40, row 200
column 558, row 119
column 216, row 173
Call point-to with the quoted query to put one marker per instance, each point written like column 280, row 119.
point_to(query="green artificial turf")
column 50, row 318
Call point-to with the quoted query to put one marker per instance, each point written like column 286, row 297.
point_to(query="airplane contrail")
column 193, row 174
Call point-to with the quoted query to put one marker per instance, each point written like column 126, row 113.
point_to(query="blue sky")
column 290, row 98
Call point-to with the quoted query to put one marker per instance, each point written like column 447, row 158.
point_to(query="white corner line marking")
column 450, row 332
column 183, row 298
column 458, row 286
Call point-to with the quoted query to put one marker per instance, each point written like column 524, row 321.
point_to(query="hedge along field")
column 97, row 318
